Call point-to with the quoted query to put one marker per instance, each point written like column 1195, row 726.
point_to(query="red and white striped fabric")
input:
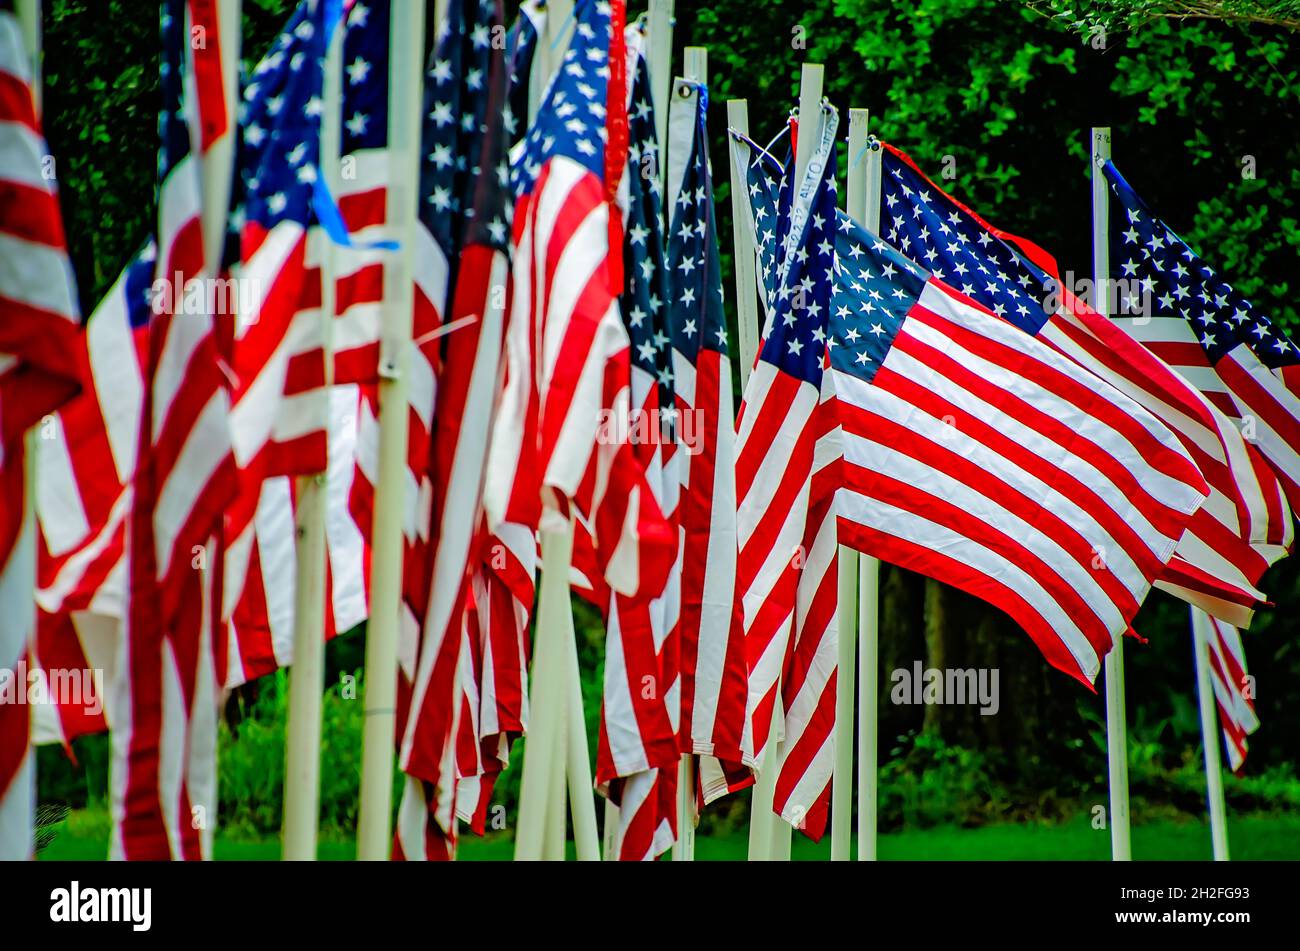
column 41, row 368
column 259, row 624
column 714, row 675
column 1234, row 688
column 163, row 789
column 808, row 679
column 786, row 540
column 1243, row 527
column 638, row 748
column 1206, row 328
column 567, row 366
column 465, row 241
column 978, row 455
column 1245, row 524
column 84, row 500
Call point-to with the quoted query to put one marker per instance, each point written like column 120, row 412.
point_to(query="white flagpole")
column 1116, row 722
column 868, row 205
column 307, row 674
column 1202, row 628
column 846, row 609
column 743, row 246
column 28, row 14
column 406, row 84
column 582, row 798
column 543, row 755
column 659, row 59
column 747, row 319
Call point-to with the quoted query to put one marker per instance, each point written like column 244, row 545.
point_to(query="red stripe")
column 208, row 73
column 31, row 214
column 16, row 103
column 968, row 578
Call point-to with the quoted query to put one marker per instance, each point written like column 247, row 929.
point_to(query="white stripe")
column 921, row 531
column 36, row 275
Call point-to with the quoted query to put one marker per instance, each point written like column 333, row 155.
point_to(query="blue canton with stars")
column 799, row 301
column 365, row 77
column 697, row 318
column 463, row 176
column 521, row 47
column 874, row 286
column 643, row 300
column 931, row 228
column 1148, row 255
column 279, row 153
column 571, row 120
column 173, row 132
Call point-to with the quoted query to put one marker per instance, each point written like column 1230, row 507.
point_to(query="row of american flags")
column 932, row 395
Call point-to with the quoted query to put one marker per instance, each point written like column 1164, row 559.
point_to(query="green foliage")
column 926, row 782
column 251, row 761
column 1195, row 106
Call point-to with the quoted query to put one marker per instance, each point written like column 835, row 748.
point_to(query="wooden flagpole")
column 307, row 674
column 1202, row 628
column 406, row 84
column 846, row 608
column 1116, row 722
column 695, row 69
column 868, row 205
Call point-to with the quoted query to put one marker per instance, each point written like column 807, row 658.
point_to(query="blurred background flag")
column 40, row 368
column 1244, row 363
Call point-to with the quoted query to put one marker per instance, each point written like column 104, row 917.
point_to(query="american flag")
column 978, row 455
column 164, row 729
column 1206, row 329
column 567, row 274
column 1244, row 525
column 273, row 343
column 1234, row 688
column 464, row 218
column 638, row 747
column 521, row 53
column 495, row 675
column 84, row 498
column 39, row 370
column 260, row 562
column 713, row 672
column 783, row 496
column 805, row 758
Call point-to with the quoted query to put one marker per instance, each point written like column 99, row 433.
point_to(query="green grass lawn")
column 84, row 835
